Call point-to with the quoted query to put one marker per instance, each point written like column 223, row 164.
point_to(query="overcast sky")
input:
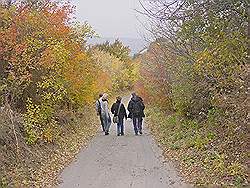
column 110, row 18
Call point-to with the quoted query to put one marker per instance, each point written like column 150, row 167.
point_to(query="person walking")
column 136, row 108
column 105, row 113
column 119, row 111
column 98, row 107
column 142, row 115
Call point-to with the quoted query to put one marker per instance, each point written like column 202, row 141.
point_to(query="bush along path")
column 197, row 151
column 195, row 77
column 40, row 164
column 49, row 80
column 124, row 161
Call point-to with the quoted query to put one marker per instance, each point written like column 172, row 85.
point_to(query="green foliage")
column 81, row 32
column 39, row 119
column 236, row 169
column 211, row 136
column 213, row 116
column 46, row 66
column 197, row 69
column 49, row 79
column 39, row 122
column 119, row 75
column 32, row 120
column 116, row 49
column 175, row 146
column 197, row 146
column 190, row 125
column 172, row 120
column 51, row 91
column 3, row 183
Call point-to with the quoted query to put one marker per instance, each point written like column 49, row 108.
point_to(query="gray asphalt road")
column 121, row 162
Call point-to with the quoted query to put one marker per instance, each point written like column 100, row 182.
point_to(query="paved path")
column 121, row 162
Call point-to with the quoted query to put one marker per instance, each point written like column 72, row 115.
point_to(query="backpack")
column 99, row 108
column 137, row 108
column 116, row 118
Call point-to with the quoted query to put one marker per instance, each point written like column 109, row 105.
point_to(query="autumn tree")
column 116, row 49
column 44, row 61
column 198, row 64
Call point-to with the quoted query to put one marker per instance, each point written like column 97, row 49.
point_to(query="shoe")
column 118, row 134
column 122, row 134
column 136, row 134
column 140, row 132
column 106, row 133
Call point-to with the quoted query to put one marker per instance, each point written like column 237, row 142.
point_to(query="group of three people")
column 135, row 108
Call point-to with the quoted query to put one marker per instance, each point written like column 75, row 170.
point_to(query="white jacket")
column 105, row 109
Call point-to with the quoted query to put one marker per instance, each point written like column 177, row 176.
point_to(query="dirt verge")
column 38, row 165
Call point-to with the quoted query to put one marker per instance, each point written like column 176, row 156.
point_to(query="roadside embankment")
column 38, row 165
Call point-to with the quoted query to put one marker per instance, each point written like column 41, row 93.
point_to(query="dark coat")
column 122, row 113
column 131, row 105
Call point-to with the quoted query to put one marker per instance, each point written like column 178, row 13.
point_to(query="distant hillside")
column 135, row 44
